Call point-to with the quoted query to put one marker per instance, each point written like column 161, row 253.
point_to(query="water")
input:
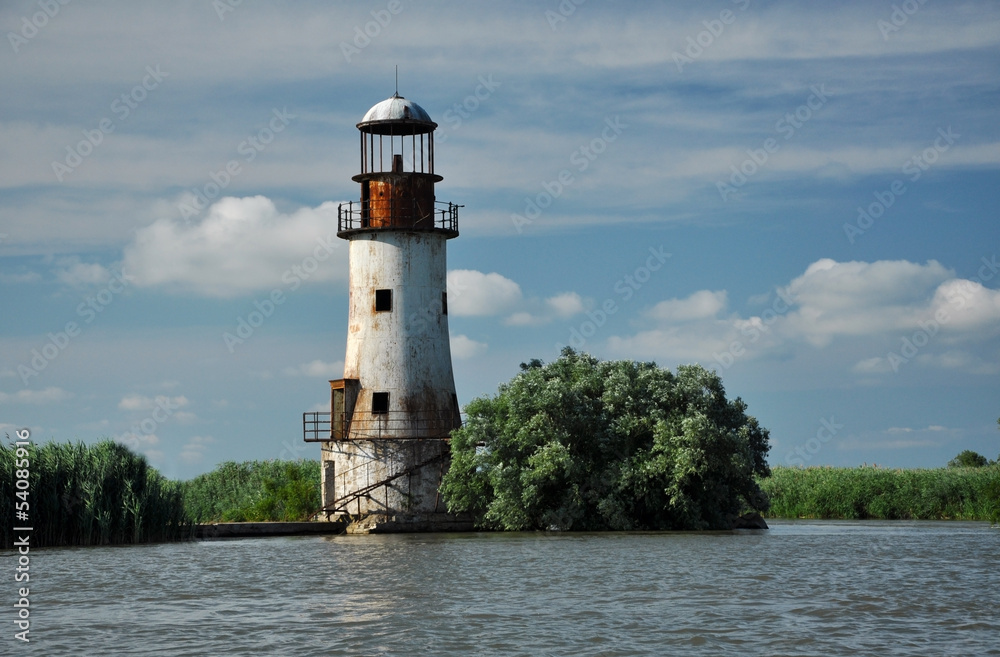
column 801, row 588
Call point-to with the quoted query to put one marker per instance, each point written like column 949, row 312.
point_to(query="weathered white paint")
column 405, row 351
column 360, row 464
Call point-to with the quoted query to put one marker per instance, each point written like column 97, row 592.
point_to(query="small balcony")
column 393, row 214
column 321, row 427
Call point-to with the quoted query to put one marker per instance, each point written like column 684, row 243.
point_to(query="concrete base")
column 257, row 529
column 389, row 485
column 435, row 522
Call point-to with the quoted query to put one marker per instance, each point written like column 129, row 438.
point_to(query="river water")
column 800, row 588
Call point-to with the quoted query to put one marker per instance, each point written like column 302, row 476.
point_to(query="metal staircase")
column 340, row 504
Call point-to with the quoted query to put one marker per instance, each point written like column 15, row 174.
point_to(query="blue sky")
column 801, row 196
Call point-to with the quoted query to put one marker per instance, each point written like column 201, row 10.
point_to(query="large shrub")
column 587, row 445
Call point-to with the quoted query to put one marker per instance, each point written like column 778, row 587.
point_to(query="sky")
column 801, row 196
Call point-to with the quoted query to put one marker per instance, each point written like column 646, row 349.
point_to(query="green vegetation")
column 89, row 495
column 952, row 493
column 105, row 494
column 588, row 445
column 968, row 459
column 254, row 491
column 577, row 443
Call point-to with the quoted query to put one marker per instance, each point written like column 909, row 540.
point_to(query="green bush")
column 254, row 491
column 968, row 459
column 590, row 445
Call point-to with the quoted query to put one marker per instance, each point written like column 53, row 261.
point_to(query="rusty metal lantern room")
column 397, row 173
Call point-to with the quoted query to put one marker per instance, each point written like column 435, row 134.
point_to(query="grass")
column 254, row 491
column 883, row 493
column 105, row 494
column 81, row 494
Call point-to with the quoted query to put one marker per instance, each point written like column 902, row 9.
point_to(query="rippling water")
column 801, row 588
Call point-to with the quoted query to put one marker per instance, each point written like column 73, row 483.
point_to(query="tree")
column 968, row 459
column 589, row 445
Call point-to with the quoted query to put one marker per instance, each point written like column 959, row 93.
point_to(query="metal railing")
column 319, row 426
column 356, row 216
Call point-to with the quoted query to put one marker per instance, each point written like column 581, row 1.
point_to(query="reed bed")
column 255, row 491
column 99, row 494
column 884, row 493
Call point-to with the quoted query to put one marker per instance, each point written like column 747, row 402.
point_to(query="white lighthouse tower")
column 391, row 415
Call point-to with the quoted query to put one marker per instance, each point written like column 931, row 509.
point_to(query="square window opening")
column 383, row 301
column 380, row 403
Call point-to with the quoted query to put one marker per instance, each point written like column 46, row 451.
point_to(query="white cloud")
column 79, row 274
column 538, row 312
column 874, row 305
column 465, row 347
column 136, row 402
column 241, row 246
column 46, row 396
column 194, row 450
column 903, row 438
column 700, row 305
column 473, row 293
column 317, row 368
column 962, row 361
column 566, row 304
column 932, row 427
column 859, row 298
column 874, row 365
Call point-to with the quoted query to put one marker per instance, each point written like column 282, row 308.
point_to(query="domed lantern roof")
column 397, row 116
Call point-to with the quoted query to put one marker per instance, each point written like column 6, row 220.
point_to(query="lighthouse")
column 385, row 440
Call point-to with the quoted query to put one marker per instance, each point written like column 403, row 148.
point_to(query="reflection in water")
column 801, row 588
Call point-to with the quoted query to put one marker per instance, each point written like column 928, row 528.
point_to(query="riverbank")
column 873, row 493
column 75, row 494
